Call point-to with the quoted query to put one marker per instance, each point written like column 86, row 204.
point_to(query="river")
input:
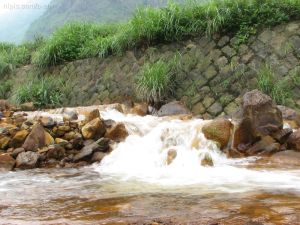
column 136, row 184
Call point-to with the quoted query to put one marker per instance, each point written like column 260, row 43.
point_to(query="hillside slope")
column 103, row 11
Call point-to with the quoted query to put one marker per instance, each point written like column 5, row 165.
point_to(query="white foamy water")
column 143, row 157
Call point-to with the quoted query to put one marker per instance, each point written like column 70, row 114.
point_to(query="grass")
column 48, row 91
column 156, row 81
column 279, row 90
column 5, row 88
column 149, row 26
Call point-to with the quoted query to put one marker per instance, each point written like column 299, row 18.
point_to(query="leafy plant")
column 42, row 91
column 156, row 81
column 279, row 90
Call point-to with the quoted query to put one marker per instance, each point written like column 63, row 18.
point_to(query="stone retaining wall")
column 214, row 72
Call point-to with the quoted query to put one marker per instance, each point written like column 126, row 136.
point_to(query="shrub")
column 156, row 81
column 279, row 90
column 42, row 91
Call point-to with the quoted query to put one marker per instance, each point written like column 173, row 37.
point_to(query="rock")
column 282, row 135
column 27, row 160
column 37, row 138
column 7, row 162
column 28, row 106
column 4, row 105
column 288, row 158
column 117, row 133
column 207, row 160
column 94, row 129
column 4, row 142
column 258, row 117
column 56, row 152
column 17, row 151
column 91, row 115
column 172, row 154
column 19, row 138
column 173, row 108
column 266, row 146
column 61, row 142
column 294, row 141
column 86, row 153
column 47, row 122
column 215, row 109
column 290, row 114
column 98, row 156
column 140, row 109
column 70, row 115
column 264, row 116
column 218, row 130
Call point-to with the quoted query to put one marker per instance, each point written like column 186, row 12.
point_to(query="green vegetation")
column 175, row 22
column 278, row 89
column 5, row 88
column 156, row 81
column 42, row 91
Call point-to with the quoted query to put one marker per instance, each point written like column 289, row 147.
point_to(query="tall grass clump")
column 71, row 42
column 279, row 90
column 42, row 91
column 156, row 81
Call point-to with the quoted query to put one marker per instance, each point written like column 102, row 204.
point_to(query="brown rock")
column 56, row 152
column 282, row 135
column 218, row 130
column 140, row 109
column 288, row 158
column 70, row 115
column 264, row 116
column 294, row 141
column 241, row 134
column 94, row 129
column 173, row 108
column 7, row 162
column 19, row 138
column 61, row 142
column 4, row 142
column 289, row 114
column 172, row 154
column 117, row 133
column 27, row 160
column 207, row 160
column 91, row 115
column 28, row 106
column 47, row 122
column 37, row 138
column 266, row 146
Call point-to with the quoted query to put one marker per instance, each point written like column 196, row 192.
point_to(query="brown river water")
column 135, row 185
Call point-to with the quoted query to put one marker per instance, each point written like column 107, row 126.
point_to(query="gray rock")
column 173, row 108
column 27, row 160
column 215, row 109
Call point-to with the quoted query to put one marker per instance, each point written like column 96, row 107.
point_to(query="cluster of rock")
column 257, row 128
column 27, row 143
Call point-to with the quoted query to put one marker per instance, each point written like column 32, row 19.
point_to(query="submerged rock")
column 27, row 160
column 207, row 160
column 172, row 108
column 289, row 158
column 117, row 133
column 172, row 154
column 218, row 130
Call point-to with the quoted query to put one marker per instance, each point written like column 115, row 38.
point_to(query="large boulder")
column 294, row 141
column 87, row 152
column 37, row 138
column 7, row 162
column 259, row 117
column 117, row 133
column 27, row 160
column 173, row 108
column 94, row 129
column 218, row 130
